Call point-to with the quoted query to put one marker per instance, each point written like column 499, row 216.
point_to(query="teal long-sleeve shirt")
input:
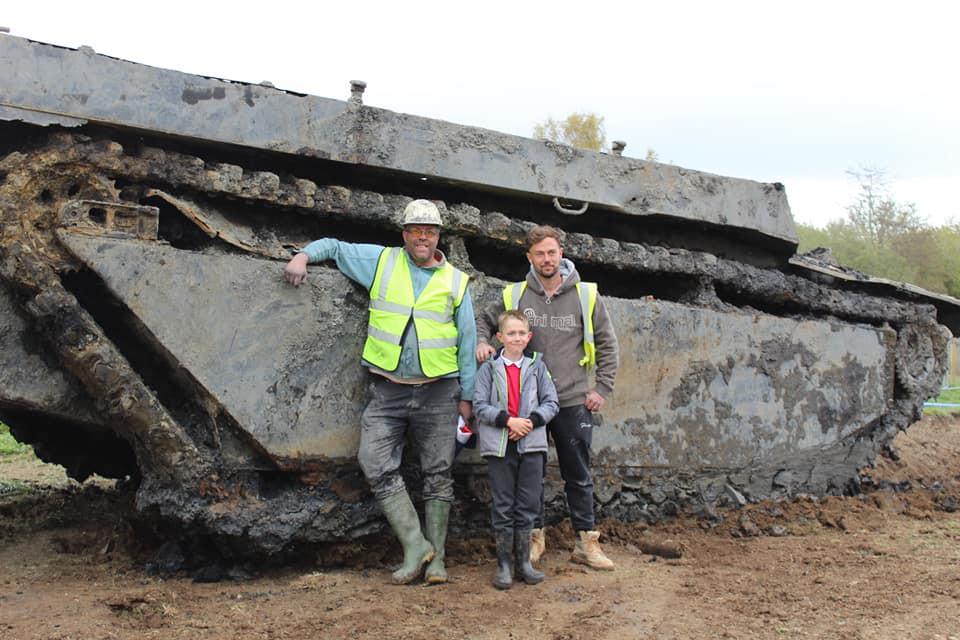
column 359, row 263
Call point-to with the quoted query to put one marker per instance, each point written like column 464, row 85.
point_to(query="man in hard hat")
column 420, row 347
column 572, row 329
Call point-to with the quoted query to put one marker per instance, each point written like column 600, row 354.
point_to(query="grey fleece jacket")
column 558, row 334
column 538, row 402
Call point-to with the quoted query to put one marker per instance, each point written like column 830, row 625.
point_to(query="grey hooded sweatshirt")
column 558, row 334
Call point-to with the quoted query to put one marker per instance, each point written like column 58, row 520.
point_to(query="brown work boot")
column 588, row 551
column 538, row 544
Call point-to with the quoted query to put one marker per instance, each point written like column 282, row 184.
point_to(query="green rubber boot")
column 405, row 522
column 436, row 515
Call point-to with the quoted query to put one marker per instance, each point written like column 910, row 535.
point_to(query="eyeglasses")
column 423, row 232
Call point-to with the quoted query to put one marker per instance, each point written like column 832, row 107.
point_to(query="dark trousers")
column 516, row 488
column 429, row 411
column 572, row 432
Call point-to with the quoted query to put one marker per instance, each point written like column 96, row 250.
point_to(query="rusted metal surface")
column 41, row 84
column 216, row 225
column 948, row 306
column 111, row 218
column 708, row 389
column 699, row 389
column 275, row 358
column 30, row 381
column 32, row 198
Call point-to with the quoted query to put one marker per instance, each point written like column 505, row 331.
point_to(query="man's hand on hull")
column 296, row 270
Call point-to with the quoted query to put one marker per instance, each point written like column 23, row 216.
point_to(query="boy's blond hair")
column 514, row 314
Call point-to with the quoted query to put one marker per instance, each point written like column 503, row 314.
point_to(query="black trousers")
column 572, row 433
column 516, row 488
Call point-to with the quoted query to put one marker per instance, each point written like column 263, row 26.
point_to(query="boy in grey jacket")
column 573, row 331
column 513, row 400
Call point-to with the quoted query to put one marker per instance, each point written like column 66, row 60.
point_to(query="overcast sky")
column 791, row 92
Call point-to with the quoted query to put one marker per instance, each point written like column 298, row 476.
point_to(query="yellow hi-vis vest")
column 392, row 305
column 587, row 293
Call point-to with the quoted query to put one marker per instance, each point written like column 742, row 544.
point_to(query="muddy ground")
column 885, row 564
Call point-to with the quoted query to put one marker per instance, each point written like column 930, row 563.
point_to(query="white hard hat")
column 421, row 212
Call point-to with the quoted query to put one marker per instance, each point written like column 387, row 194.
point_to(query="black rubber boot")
column 521, row 547
column 503, row 579
column 436, row 514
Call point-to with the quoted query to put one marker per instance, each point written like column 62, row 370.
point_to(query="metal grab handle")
column 570, row 212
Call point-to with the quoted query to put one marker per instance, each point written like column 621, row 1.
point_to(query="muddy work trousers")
column 516, row 488
column 572, row 432
column 429, row 413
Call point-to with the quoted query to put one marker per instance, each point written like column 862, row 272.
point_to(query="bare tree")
column 875, row 215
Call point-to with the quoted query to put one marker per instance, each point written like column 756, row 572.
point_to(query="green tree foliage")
column 581, row 130
column 888, row 239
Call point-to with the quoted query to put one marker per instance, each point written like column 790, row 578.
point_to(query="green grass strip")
column 950, row 396
column 8, row 444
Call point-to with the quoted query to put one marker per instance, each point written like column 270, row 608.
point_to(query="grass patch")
column 952, row 396
column 8, row 444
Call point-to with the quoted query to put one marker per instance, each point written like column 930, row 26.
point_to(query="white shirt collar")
column 507, row 361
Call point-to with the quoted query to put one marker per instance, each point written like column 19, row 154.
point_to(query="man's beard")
column 543, row 274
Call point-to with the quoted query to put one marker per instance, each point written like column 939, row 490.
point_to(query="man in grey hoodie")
column 572, row 329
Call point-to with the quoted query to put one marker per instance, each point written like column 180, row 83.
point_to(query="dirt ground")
column 885, row 564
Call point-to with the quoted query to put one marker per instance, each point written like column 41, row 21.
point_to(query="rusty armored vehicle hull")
column 145, row 329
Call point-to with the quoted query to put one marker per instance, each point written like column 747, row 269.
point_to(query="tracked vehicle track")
column 78, row 212
column 145, row 330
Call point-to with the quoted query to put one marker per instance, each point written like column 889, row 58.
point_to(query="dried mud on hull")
column 143, row 308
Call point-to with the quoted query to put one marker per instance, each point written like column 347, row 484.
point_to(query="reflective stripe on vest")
column 392, row 306
column 587, row 294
